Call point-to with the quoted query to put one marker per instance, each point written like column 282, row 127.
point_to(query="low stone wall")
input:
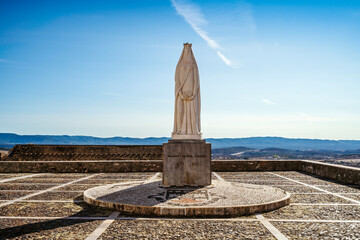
column 344, row 174
column 254, row 165
column 35, row 152
column 110, row 166
column 146, row 158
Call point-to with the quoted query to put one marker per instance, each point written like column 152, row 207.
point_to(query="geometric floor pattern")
column 50, row 206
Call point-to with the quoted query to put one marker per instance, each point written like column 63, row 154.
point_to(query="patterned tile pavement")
column 50, row 206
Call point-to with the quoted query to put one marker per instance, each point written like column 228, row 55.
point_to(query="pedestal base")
column 186, row 137
column 220, row 199
column 186, row 163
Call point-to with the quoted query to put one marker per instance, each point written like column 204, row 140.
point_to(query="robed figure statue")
column 187, row 97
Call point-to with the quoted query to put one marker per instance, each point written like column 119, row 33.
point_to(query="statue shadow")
column 149, row 194
column 37, row 227
column 164, row 194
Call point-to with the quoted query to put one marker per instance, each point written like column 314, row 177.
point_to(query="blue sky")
column 106, row 68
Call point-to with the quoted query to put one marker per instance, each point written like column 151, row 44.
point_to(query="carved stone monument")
column 187, row 97
column 186, row 189
column 187, row 158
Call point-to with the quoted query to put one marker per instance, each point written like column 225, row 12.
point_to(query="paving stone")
column 252, row 173
column 339, row 212
column 317, row 198
column 77, row 187
column 4, row 177
column 44, row 180
column 176, row 229
column 329, row 231
column 264, row 179
column 63, row 175
column 267, row 182
column 244, row 176
column 297, row 175
column 290, row 173
column 319, row 182
column 249, row 177
column 352, row 196
column 47, row 209
column 11, row 175
column 13, row 195
column 298, row 189
column 57, row 196
column 117, row 180
column 46, row 229
column 185, row 229
column 124, row 176
column 21, row 186
column 341, row 189
column 305, row 178
column 101, row 182
column 130, row 174
column 8, row 178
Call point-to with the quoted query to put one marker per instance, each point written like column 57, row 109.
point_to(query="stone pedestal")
column 186, row 163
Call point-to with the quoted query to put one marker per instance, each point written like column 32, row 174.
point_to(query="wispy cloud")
column 267, row 101
column 4, row 60
column 226, row 61
column 194, row 17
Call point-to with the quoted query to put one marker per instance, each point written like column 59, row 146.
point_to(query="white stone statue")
column 187, row 97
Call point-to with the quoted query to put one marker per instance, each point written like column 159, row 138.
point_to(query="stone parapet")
column 254, row 165
column 344, row 174
column 110, row 166
column 36, row 152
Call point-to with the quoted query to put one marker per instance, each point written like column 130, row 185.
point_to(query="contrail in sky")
column 192, row 15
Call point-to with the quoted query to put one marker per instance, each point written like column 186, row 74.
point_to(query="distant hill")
column 285, row 143
column 11, row 139
column 268, row 153
column 7, row 140
column 230, row 150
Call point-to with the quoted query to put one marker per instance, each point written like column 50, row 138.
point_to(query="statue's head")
column 187, row 56
column 187, row 48
column 187, row 45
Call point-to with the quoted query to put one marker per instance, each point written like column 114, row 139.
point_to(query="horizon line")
column 170, row 137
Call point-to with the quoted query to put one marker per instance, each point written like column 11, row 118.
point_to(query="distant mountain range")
column 7, row 140
column 249, row 153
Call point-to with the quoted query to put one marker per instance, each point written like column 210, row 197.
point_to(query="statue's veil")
column 178, row 81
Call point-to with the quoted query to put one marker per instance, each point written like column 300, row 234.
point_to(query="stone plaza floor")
column 50, row 206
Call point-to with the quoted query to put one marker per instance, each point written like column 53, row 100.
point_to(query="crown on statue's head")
column 187, row 44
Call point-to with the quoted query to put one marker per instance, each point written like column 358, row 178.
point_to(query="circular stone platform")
column 218, row 200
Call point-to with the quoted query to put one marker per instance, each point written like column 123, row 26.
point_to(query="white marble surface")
column 187, row 97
